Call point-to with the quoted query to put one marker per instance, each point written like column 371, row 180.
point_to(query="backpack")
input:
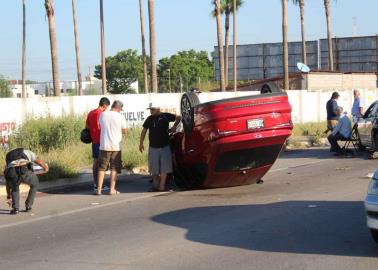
column 15, row 154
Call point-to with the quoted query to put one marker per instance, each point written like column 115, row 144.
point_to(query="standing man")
column 342, row 131
column 159, row 153
column 113, row 126
column 332, row 114
column 358, row 106
column 93, row 124
column 19, row 169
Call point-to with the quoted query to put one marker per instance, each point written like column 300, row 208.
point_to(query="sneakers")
column 14, row 212
column 104, row 188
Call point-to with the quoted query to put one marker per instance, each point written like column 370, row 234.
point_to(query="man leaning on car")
column 159, row 153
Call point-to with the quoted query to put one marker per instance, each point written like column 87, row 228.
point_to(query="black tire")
column 269, row 88
column 374, row 234
column 188, row 102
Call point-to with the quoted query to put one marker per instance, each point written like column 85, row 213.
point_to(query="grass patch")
column 310, row 129
column 57, row 142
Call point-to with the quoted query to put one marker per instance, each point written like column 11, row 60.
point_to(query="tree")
column 144, row 56
column 103, row 61
column 24, row 94
column 301, row 4
column 329, row 34
column 217, row 13
column 153, row 54
column 285, row 45
column 4, row 88
column 227, row 7
column 123, row 69
column 187, row 68
column 49, row 6
column 77, row 49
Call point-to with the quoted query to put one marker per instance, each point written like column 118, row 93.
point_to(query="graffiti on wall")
column 6, row 130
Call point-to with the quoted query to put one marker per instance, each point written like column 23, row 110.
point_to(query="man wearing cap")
column 332, row 112
column 159, row 153
column 113, row 126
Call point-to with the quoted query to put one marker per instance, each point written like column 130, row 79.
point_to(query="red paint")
column 221, row 131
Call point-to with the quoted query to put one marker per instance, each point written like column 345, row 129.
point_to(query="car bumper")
column 371, row 207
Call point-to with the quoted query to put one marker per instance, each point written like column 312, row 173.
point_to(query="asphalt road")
column 308, row 214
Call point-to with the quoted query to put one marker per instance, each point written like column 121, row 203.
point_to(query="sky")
column 180, row 25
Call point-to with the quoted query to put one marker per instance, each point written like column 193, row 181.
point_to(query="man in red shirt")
column 93, row 124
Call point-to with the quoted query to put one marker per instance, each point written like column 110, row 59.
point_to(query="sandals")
column 116, row 192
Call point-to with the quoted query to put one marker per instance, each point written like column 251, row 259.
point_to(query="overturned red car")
column 229, row 142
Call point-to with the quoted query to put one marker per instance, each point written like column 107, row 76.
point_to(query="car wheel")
column 269, row 88
column 188, row 102
column 374, row 234
column 375, row 140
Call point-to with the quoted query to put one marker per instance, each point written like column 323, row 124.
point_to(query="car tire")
column 374, row 234
column 269, row 88
column 188, row 102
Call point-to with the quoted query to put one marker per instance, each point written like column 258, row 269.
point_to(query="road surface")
column 308, row 214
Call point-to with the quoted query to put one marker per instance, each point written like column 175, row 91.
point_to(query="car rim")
column 186, row 110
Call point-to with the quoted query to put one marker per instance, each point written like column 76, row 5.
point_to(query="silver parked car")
column 371, row 206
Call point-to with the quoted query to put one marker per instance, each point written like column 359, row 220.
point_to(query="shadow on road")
column 125, row 184
column 308, row 227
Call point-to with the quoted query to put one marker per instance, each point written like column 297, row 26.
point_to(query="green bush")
column 45, row 134
column 57, row 142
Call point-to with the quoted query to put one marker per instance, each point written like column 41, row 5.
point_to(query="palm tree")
column 301, row 4
column 235, row 48
column 329, row 35
column 24, row 94
column 103, row 60
column 217, row 13
column 144, row 56
column 227, row 7
column 151, row 12
column 285, row 45
column 77, row 49
column 49, row 6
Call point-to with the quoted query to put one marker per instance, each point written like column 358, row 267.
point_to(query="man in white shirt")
column 342, row 131
column 113, row 126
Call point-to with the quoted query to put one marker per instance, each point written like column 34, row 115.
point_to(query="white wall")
column 308, row 106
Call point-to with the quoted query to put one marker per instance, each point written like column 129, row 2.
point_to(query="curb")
column 80, row 179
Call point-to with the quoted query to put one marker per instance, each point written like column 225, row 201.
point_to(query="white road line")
column 123, row 201
column 79, row 210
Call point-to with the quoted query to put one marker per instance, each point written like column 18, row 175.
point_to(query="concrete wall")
column 334, row 81
column 308, row 106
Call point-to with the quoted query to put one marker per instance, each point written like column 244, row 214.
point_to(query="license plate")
column 255, row 123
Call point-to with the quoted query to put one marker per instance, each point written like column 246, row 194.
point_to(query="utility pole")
column 169, row 80
column 24, row 94
column 180, row 84
column 235, row 49
column 103, row 61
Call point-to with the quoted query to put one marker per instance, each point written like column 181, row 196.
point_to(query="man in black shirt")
column 332, row 114
column 159, row 153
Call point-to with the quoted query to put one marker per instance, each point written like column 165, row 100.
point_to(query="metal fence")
column 260, row 61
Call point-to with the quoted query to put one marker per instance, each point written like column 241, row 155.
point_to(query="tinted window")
column 247, row 158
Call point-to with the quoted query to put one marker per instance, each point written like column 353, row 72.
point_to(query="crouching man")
column 19, row 169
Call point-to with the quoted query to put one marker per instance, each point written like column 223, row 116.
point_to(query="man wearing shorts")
column 159, row 153
column 113, row 126
column 93, row 124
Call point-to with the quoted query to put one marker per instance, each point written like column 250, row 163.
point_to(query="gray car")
column 371, row 206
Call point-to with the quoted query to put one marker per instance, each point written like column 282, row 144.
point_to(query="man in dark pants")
column 332, row 115
column 342, row 131
column 19, row 169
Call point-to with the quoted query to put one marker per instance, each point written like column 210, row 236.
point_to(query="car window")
column 372, row 111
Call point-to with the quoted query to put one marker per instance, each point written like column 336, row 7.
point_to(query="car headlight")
column 373, row 187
